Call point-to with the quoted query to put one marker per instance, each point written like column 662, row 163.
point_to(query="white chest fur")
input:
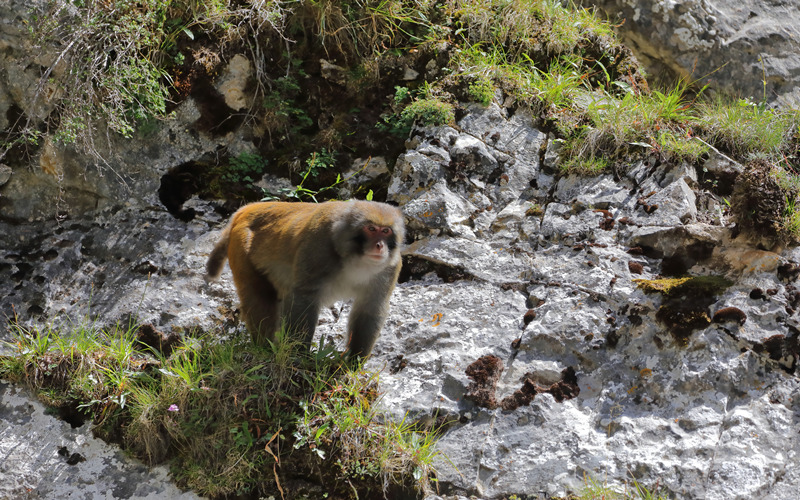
column 355, row 276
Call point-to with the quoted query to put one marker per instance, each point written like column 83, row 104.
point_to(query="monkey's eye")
column 371, row 229
column 386, row 230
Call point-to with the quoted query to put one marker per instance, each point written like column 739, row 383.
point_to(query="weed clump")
column 593, row 489
column 743, row 127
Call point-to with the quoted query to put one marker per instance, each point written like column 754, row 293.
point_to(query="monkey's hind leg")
column 259, row 305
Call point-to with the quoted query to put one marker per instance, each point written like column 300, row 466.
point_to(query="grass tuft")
column 742, row 128
column 229, row 417
column 596, row 490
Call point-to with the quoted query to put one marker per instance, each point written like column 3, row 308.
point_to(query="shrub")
column 428, row 111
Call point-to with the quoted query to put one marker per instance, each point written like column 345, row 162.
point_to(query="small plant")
column 282, row 113
column 313, row 164
column 401, row 95
column 320, row 160
column 301, row 192
column 557, row 86
column 681, row 148
column 423, row 109
column 535, row 210
column 428, row 111
column 791, row 219
column 595, row 490
column 245, row 168
column 481, row 90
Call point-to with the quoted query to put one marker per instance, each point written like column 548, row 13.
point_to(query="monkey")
column 291, row 259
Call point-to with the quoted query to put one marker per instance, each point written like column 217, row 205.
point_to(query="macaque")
column 291, row 259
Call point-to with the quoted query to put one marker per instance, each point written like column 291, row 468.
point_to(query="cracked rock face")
column 734, row 45
column 44, row 457
column 583, row 371
column 551, row 291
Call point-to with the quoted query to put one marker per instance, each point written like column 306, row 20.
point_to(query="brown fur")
column 290, row 259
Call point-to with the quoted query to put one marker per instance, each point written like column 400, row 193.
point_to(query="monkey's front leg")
column 301, row 312
column 364, row 330
column 367, row 317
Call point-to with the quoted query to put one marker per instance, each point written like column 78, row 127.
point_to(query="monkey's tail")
column 216, row 260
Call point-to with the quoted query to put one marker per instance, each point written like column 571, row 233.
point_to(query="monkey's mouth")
column 377, row 257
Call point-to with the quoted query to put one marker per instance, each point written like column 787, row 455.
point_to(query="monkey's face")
column 378, row 242
column 367, row 234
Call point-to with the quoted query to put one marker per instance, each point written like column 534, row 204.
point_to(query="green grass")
column 227, row 416
column 523, row 26
column 596, row 490
column 562, row 59
column 584, row 166
column 742, row 127
column 616, row 124
column 681, row 148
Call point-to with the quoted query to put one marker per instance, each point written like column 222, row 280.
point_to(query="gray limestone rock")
column 736, row 46
column 46, row 457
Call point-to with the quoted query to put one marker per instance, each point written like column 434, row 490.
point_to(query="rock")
column 595, row 192
column 23, row 62
column 363, row 172
column 46, row 457
column 732, row 45
column 508, row 260
column 234, row 81
column 332, row 72
column 5, row 173
column 554, row 147
column 487, row 249
column 410, row 74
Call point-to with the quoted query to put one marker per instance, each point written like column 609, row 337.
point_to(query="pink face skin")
column 377, row 237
